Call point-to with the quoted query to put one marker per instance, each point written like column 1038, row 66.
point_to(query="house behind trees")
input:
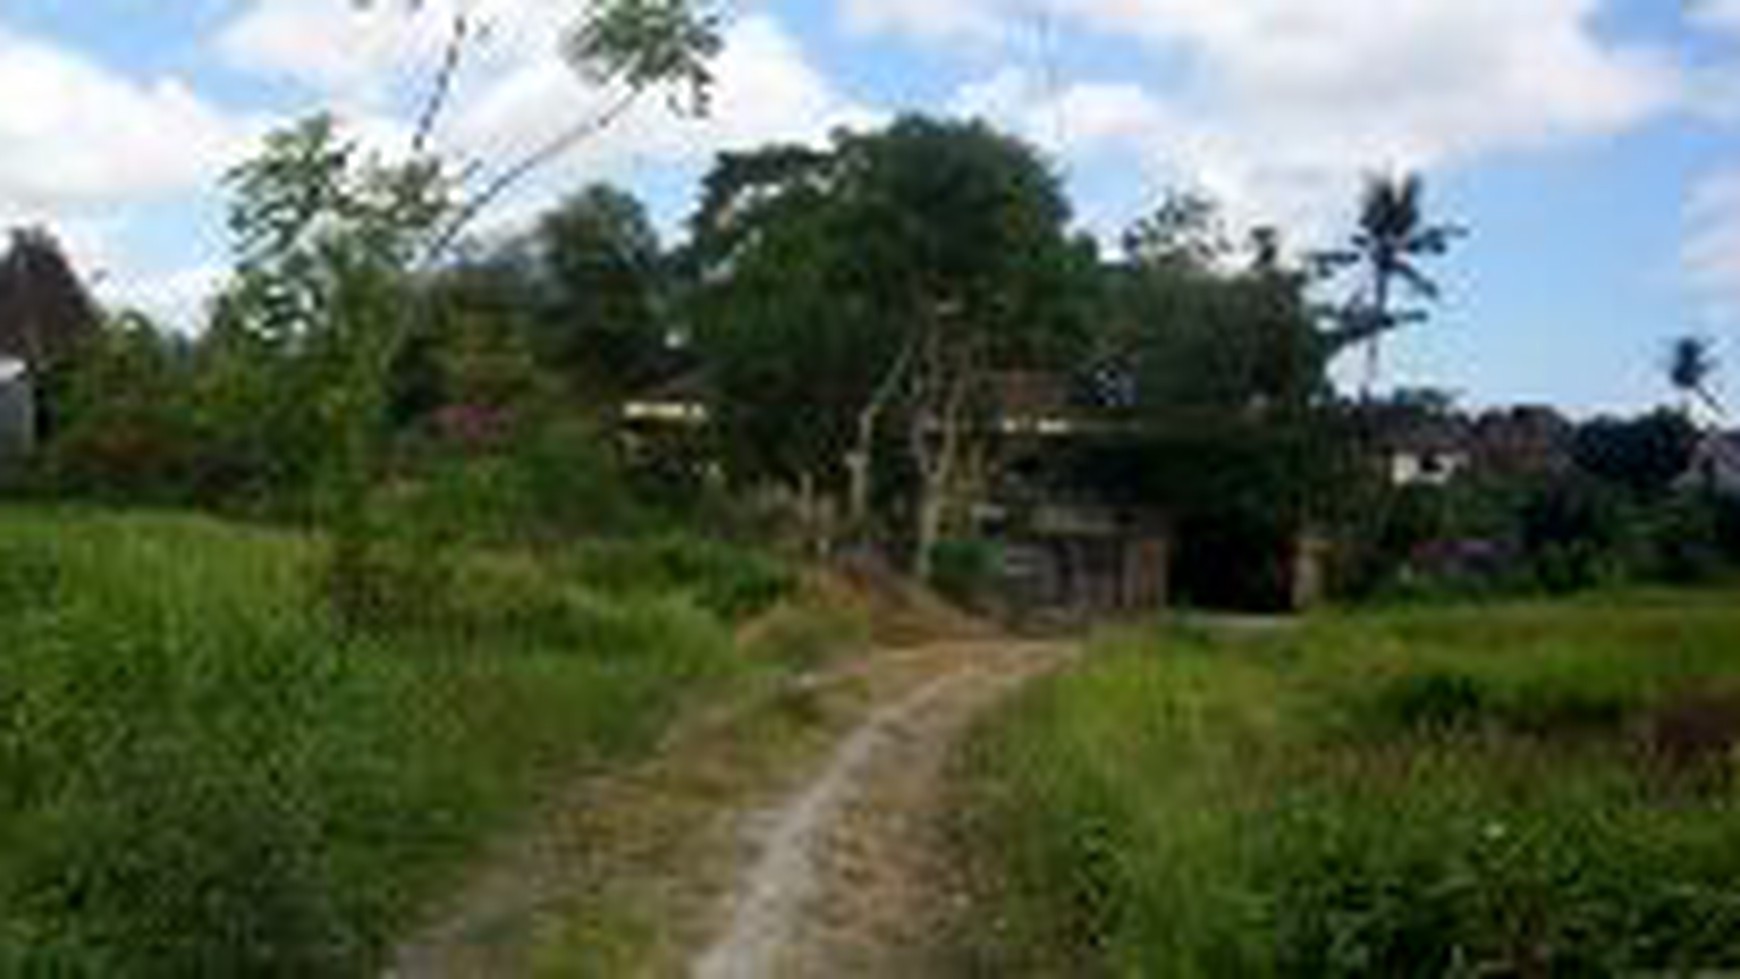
column 46, row 314
column 1716, row 465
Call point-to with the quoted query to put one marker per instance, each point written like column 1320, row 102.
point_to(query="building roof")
column 1724, row 449
column 44, row 308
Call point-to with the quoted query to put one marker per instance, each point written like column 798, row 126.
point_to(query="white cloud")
column 1082, row 119
column 1280, row 104
column 1714, row 82
column 935, row 20
column 515, row 92
column 929, row 20
column 1717, row 15
column 367, row 52
column 77, row 134
column 331, row 45
column 85, row 145
column 765, row 91
column 1712, row 250
column 176, row 299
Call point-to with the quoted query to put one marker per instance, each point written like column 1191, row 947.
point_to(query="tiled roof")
column 44, row 309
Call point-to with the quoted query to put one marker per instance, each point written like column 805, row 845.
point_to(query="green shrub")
column 29, row 576
column 551, row 483
column 201, row 775
column 1434, row 700
column 1207, row 812
column 965, row 571
column 729, row 581
column 804, row 635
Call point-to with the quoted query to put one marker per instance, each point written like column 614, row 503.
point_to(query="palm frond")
column 1417, row 281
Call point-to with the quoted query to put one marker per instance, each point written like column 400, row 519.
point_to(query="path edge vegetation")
column 1524, row 788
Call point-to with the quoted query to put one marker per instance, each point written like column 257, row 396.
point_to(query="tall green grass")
column 200, row 774
column 1490, row 791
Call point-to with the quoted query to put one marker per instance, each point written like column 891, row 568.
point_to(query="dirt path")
column 851, row 879
column 782, row 831
column 793, row 835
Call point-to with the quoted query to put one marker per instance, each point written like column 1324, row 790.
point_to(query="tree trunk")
column 930, row 512
column 859, row 459
column 937, row 465
column 858, row 493
column 1381, row 313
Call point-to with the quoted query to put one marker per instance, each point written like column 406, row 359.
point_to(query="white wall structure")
column 1426, row 468
column 17, row 414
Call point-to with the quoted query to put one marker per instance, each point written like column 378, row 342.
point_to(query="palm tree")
column 1691, row 363
column 1393, row 236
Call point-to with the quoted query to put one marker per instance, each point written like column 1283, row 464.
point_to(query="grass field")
column 1527, row 790
column 201, row 775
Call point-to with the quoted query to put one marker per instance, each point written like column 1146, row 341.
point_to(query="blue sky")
column 1593, row 146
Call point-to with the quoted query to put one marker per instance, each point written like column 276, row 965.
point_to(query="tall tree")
column 601, row 270
column 1232, row 423
column 1691, row 365
column 1185, row 233
column 1394, row 235
column 1646, row 454
column 910, row 263
column 967, row 230
column 334, row 248
column 1209, row 334
column 776, row 325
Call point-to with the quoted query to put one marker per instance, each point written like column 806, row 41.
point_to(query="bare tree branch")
column 1710, row 401
column 442, row 91
column 858, row 461
column 507, row 179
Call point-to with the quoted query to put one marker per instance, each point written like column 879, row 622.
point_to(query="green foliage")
column 645, row 43
column 1432, row 700
column 804, row 633
column 604, row 321
column 1185, row 234
column 1394, row 235
column 549, row 485
column 1205, row 335
column 200, row 774
column 1621, row 512
column 1238, row 492
column 824, row 275
column 729, row 581
column 1682, row 540
column 1222, row 374
column 1643, row 455
column 1478, row 791
column 964, row 571
column 126, row 422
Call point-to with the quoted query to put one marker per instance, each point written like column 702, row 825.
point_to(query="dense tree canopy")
column 889, row 272
column 602, row 278
column 1644, row 455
